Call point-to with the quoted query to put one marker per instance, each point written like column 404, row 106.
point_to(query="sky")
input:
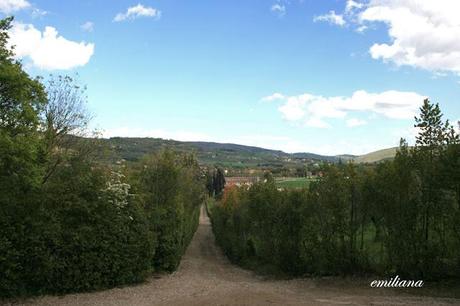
column 328, row 77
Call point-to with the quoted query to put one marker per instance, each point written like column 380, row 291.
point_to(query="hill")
column 212, row 153
column 232, row 155
column 377, row 156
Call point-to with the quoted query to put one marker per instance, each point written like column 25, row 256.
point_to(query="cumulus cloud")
column 278, row 9
column 87, row 26
column 352, row 5
column 11, row 6
column 331, row 18
column 313, row 110
column 422, row 34
column 136, row 12
column 48, row 50
column 274, row 97
column 361, row 29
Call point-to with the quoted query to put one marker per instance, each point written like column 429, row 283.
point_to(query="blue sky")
column 326, row 77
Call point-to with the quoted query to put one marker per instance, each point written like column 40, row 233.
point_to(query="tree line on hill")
column 400, row 216
column 67, row 222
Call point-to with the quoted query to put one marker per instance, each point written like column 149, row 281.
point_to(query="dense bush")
column 370, row 223
column 172, row 190
column 67, row 222
column 400, row 216
column 85, row 230
column 71, row 235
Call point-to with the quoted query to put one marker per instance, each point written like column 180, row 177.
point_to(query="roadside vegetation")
column 69, row 223
column 72, row 219
column 399, row 216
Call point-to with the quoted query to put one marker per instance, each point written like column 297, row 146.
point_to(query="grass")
column 210, row 203
column 377, row 156
column 293, row 182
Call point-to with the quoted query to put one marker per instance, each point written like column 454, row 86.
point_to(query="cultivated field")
column 293, row 182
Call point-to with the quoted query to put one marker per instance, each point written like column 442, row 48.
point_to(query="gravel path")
column 205, row 277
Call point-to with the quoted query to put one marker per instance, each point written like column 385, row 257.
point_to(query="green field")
column 293, row 182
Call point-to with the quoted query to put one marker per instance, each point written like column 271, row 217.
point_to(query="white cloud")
column 331, row 18
column 87, row 26
column 38, row 13
column 293, row 108
column 317, row 123
column 48, row 50
column 278, row 9
column 352, row 5
column 11, row 6
column 424, row 34
column 355, row 122
column 136, row 12
column 274, row 97
column 361, row 29
column 312, row 110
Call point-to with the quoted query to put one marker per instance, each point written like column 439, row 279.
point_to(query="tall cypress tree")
column 219, row 182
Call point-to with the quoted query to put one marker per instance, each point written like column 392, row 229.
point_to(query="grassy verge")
column 209, row 204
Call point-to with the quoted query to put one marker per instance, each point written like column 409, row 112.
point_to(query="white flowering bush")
column 117, row 191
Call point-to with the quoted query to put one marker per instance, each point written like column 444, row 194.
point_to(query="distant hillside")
column 377, row 156
column 224, row 154
column 314, row 156
column 346, row 157
column 207, row 152
column 231, row 155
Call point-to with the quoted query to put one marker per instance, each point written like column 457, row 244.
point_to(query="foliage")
column 293, row 182
column 239, row 160
column 397, row 217
column 67, row 222
column 215, row 182
column 172, row 189
column 21, row 99
column 70, row 235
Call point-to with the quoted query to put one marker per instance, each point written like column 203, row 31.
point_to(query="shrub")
column 172, row 191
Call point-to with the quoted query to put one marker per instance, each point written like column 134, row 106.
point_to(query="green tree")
column 21, row 99
column 433, row 138
column 65, row 120
column 80, row 231
column 219, row 182
column 433, row 132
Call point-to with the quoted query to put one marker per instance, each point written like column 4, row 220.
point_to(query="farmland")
column 293, row 182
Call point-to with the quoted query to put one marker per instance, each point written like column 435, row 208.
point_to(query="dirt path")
column 205, row 277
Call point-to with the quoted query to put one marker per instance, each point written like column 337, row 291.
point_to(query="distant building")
column 241, row 181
